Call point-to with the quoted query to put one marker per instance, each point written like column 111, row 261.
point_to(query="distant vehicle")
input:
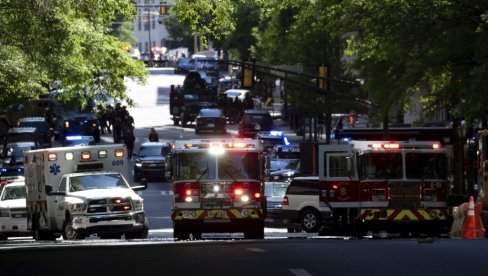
column 284, row 170
column 83, row 124
column 183, row 65
column 301, row 205
column 15, row 150
column 210, row 80
column 253, row 121
column 206, row 63
column 275, row 191
column 239, row 93
column 23, row 134
column 13, row 211
column 225, row 84
column 42, row 126
column 150, row 160
column 211, row 119
column 272, row 138
column 135, row 53
column 79, row 140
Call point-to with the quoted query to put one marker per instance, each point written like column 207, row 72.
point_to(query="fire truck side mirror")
column 49, row 191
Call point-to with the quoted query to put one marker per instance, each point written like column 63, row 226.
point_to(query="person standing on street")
column 153, row 136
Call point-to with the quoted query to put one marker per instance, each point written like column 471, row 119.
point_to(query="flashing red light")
column 436, row 146
column 257, row 195
column 238, row 192
column 119, row 153
column 86, row 155
column 188, row 192
column 52, row 157
column 126, row 207
column 335, row 187
column 391, row 146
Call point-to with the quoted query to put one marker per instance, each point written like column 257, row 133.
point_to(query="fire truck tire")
column 69, row 233
column 110, row 236
column 176, row 121
column 255, row 232
column 180, row 233
column 310, row 220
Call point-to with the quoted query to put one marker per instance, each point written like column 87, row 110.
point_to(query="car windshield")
column 284, row 164
column 13, row 192
column 39, row 125
column 261, row 119
column 97, row 181
column 150, row 151
column 17, row 151
column 210, row 113
column 233, row 94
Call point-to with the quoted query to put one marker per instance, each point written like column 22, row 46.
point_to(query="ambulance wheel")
column 69, row 233
column 180, row 233
column 310, row 220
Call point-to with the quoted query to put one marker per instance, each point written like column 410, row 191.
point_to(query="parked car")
column 183, row 65
column 23, row 134
column 284, row 170
column 211, row 119
column 42, row 126
column 227, row 83
column 272, row 138
column 13, row 210
column 274, row 192
column 253, row 121
column 150, row 160
column 301, row 205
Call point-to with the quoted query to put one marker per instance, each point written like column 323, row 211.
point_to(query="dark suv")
column 42, row 126
column 150, row 160
column 253, row 121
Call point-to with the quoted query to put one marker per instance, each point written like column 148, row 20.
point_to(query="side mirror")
column 349, row 166
column 142, row 185
column 49, row 191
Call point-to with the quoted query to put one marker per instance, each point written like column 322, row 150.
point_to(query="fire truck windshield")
column 426, row 165
column 377, row 165
column 230, row 165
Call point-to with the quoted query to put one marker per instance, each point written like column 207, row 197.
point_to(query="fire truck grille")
column 109, row 205
column 404, row 194
column 216, row 195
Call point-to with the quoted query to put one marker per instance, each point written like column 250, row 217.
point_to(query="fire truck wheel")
column 180, row 233
column 310, row 220
column 176, row 121
column 69, row 233
column 110, row 236
column 255, row 232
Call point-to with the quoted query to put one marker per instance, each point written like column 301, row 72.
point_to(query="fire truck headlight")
column 245, row 198
column 77, row 207
column 216, row 188
column 138, row 205
column 188, row 199
column 4, row 212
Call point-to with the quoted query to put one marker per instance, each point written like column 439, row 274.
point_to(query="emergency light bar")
column 85, row 155
column 236, row 145
column 403, row 146
column 73, row 138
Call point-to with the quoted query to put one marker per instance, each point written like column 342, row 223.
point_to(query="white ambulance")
column 79, row 191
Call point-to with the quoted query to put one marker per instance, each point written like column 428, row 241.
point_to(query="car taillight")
column 285, row 201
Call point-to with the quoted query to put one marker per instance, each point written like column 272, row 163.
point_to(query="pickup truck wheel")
column 142, row 234
column 69, row 233
column 310, row 220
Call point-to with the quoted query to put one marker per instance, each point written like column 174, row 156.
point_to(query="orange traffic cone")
column 470, row 221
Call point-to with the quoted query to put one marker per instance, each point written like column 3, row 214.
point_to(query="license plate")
column 210, row 125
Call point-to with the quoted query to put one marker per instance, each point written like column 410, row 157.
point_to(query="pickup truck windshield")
column 97, row 181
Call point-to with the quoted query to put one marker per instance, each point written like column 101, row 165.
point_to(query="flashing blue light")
column 286, row 141
column 73, row 138
column 4, row 170
column 276, row 133
column 346, row 139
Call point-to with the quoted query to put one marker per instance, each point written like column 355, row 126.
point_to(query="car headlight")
column 138, row 205
column 77, row 207
column 4, row 213
column 139, row 164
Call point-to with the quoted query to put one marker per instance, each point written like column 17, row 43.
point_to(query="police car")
column 271, row 138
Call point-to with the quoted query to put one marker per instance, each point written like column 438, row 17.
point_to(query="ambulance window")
column 62, row 186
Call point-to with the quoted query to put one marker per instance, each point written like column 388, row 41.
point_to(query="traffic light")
column 324, row 77
column 248, row 75
column 163, row 8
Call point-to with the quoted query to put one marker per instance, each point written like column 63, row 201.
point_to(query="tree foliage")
column 67, row 41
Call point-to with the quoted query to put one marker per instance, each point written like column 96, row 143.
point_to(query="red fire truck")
column 218, row 187
column 381, row 186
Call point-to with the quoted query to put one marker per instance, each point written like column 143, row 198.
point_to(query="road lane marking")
column 254, row 249
column 299, row 272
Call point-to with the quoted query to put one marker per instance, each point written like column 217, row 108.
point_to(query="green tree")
column 68, row 41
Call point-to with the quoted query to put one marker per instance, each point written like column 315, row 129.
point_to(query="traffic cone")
column 470, row 221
